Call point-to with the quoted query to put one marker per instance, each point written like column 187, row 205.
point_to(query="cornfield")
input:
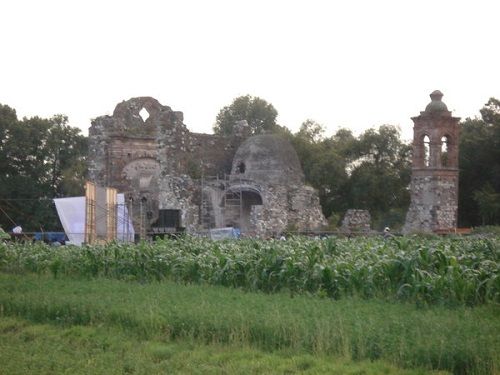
column 425, row 270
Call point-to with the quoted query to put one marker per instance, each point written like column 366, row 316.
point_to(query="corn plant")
column 426, row 270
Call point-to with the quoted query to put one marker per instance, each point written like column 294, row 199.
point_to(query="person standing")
column 387, row 233
column 17, row 232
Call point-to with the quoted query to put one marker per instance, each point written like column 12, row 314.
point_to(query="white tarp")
column 224, row 233
column 71, row 212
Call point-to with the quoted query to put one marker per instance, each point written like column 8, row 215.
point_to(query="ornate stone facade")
column 145, row 150
column 434, row 181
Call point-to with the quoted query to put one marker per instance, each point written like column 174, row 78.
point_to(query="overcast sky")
column 355, row 64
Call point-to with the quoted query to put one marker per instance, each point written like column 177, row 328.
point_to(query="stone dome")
column 436, row 105
column 267, row 158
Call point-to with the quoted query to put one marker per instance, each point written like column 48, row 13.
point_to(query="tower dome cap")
column 436, row 105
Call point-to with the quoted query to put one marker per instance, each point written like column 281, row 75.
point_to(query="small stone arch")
column 445, row 148
column 425, row 141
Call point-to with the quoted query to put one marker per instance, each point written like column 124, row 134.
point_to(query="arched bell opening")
column 445, row 150
column 426, row 143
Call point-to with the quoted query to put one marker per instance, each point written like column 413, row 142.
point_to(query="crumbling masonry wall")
column 146, row 151
column 136, row 152
column 356, row 221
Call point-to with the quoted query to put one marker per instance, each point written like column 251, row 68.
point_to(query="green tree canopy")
column 259, row 114
column 479, row 161
column 311, row 132
column 323, row 164
column 370, row 172
column 380, row 175
column 40, row 159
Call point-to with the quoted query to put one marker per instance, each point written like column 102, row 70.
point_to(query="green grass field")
column 321, row 335
column 360, row 306
column 43, row 349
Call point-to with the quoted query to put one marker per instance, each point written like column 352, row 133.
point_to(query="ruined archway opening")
column 238, row 208
column 427, row 150
column 249, row 199
column 445, row 146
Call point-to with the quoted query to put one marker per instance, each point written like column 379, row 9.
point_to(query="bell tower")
column 434, row 180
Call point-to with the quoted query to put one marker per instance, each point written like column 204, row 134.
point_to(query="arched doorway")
column 238, row 203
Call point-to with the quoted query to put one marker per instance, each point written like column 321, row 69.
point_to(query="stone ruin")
column 356, row 221
column 174, row 179
column 434, row 180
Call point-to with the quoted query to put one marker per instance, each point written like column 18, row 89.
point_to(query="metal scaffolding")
column 230, row 203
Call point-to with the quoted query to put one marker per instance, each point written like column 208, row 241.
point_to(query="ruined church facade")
column 174, row 178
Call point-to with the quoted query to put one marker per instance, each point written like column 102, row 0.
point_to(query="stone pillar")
column 98, row 162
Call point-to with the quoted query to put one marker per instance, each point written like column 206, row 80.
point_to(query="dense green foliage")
column 461, row 340
column 42, row 349
column 259, row 115
column 479, row 190
column 427, row 271
column 369, row 172
column 39, row 159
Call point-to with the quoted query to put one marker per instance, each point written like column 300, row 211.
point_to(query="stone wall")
column 434, row 203
column 304, row 209
column 356, row 221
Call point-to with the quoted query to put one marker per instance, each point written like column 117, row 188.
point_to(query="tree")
column 40, row 159
column 479, row 160
column 66, row 157
column 8, row 117
column 311, row 131
column 369, row 172
column 323, row 163
column 379, row 175
column 382, row 147
column 491, row 113
column 488, row 202
column 259, row 114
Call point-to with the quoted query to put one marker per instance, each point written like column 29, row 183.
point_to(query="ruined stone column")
column 98, row 161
